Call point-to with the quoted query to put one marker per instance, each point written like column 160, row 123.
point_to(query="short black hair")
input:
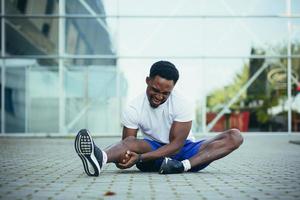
column 164, row 69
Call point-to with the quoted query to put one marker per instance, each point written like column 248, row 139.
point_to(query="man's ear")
column 148, row 80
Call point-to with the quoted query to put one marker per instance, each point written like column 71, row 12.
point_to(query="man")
column 165, row 119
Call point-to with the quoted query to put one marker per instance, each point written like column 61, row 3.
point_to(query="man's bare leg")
column 116, row 152
column 217, row 147
column 210, row 150
column 93, row 158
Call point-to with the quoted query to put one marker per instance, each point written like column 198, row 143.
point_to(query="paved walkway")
column 265, row 167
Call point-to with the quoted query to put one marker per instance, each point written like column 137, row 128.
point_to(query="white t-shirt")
column 155, row 123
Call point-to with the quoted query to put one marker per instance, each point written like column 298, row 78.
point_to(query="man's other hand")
column 133, row 158
column 124, row 160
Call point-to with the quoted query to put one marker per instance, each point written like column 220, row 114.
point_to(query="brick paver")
column 265, row 167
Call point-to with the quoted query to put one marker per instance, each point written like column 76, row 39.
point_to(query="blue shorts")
column 188, row 150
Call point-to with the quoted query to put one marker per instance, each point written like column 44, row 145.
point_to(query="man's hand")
column 120, row 166
column 133, row 158
column 124, row 160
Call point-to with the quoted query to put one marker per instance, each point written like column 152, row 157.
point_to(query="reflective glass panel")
column 88, row 36
column 16, row 91
column 86, row 7
column 31, row 36
column 43, row 97
column 31, row 96
column 15, row 105
column 93, row 97
column 31, row 7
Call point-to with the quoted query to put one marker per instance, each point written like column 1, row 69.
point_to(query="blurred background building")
column 71, row 64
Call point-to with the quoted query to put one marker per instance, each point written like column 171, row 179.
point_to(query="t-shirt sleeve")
column 130, row 117
column 184, row 111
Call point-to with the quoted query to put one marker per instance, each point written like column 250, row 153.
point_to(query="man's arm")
column 178, row 134
column 129, row 132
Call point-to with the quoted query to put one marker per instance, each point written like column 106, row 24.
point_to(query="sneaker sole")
column 85, row 165
column 84, row 147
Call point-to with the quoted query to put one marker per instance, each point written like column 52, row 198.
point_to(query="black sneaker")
column 170, row 166
column 90, row 155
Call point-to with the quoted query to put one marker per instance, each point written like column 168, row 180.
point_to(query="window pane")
column 31, row 7
column 31, row 36
column 30, row 89
column 15, row 95
column 43, row 98
column 92, row 100
column 82, row 39
column 15, row 106
column 84, row 7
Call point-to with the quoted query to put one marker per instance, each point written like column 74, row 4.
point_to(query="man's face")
column 158, row 90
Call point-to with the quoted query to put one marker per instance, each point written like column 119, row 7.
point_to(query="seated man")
column 165, row 119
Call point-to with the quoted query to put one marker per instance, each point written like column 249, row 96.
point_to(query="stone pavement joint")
column 265, row 167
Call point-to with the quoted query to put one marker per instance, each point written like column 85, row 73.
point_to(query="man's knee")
column 234, row 138
column 131, row 143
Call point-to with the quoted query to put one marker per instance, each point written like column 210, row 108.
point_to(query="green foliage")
column 222, row 95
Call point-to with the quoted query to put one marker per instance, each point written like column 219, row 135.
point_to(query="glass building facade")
column 50, row 83
column 71, row 64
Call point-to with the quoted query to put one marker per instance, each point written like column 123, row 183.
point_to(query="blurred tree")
column 218, row 98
